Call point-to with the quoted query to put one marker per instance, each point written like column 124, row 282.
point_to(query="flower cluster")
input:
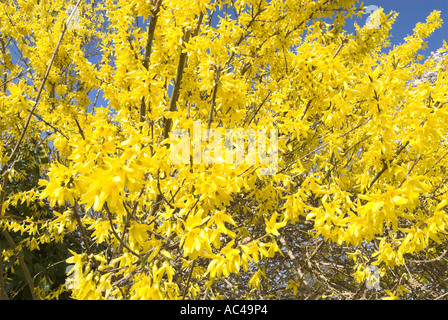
column 438, row 58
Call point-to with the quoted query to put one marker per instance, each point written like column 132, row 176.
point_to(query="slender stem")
column 212, row 106
column 148, row 49
column 22, row 263
column 188, row 280
column 109, row 214
column 12, row 79
column 80, row 129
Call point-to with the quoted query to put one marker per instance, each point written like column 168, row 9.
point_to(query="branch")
column 180, row 72
column 18, row 76
column 213, row 102
column 151, row 30
column 291, row 257
column 127, row 277
column 74, row 240
column 81, row 132
column 160, row 191
column 50, row 125
column 306, row 108
column 261, row 105
column 83, row 232
column 109, row 215
column 25, row 270
column 188, row 280
column 431, row 260
column 340, row 47
column 191, row 209
column 385, row 166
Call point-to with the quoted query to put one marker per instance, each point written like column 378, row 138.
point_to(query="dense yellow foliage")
column 361, row 151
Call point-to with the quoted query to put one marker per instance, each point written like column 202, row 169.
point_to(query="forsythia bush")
column 91, row 93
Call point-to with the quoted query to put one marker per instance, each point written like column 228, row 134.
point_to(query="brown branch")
column 160, row 191
column 433, row 193
column 50, row 125
column 442, row 296
column 22, row 263
column 85, row 239
column 431, row 260
column 180, row 72
column 148, row 50
column 340, row 47
column 175, row 95
column 293, row 258
column 109, row 214
column 12, row 159
column 191, row 209
column 259, row 108
column 245, row 171
column 3, row 190
column 175, row 194
column 5, row 81
column 74, row 240
column 81, row 132
column 177, row 83
column 12, row 79
column 410, row 170
column 188, row 280
column 213, row 101
column 127, row 277
column 244, row 35
column 385, row 166
column 306, row 109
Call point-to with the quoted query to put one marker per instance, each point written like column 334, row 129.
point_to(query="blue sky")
column 413, row 11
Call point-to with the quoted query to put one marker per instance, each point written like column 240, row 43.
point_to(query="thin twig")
column 50, row 125
column 160, row 191
column 12, row 79
column 191, row 209
column 306, row 108
column 385, row 166
column 213, row 101
column 431, row 260
column 259, row 107
column 188, row 280
column 109, row 214
column 340, row 47
column 81, row 132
